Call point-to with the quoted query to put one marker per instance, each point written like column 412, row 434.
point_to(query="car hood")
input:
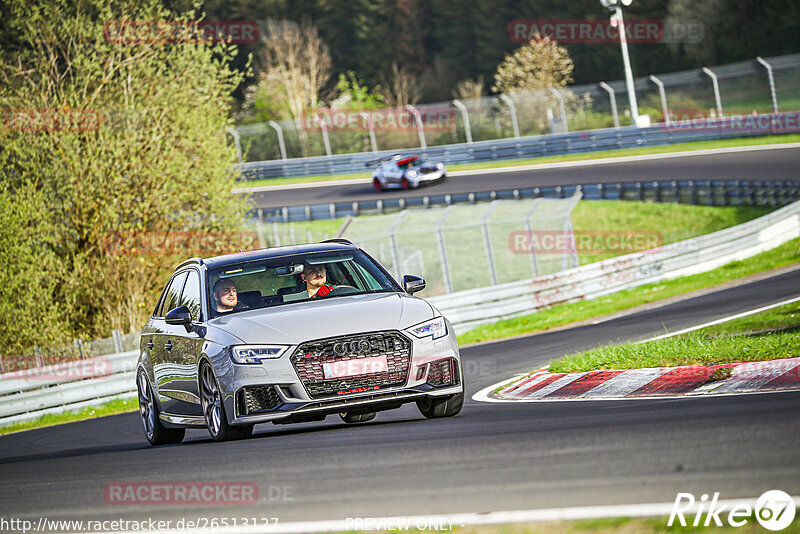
column 294, row 323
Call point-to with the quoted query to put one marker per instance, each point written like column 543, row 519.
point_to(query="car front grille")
column 257, row 399
column 309, row 358
column 442, row 373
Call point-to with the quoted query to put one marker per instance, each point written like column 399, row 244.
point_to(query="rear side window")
column 191, row 295
column 172, row 295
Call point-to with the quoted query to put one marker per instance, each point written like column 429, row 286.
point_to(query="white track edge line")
column 720, row 321
column 537, row 166
column 663, row 509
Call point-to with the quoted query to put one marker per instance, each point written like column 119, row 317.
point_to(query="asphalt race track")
column 746, row 165
column 491, row 457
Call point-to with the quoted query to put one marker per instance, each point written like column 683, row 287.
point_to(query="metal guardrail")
column 31, row 393
column 467, row 309
column 533, row 146
column 703, row 192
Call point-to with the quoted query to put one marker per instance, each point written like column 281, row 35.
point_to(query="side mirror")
column 412, row 283
column 179, row 316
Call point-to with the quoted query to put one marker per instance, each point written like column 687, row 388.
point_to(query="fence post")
column 275, row 235
column 562, row 108
column 420, row 130
column 513, row 109
column 291, row 234
column 393, row 242
column 325, row 138
column 613, row 97
column 2, row 369
column 371, row 128
column 529, row 229
column 448, row 283
column 262, row 242
column 236, row 142
column 663, row 96
column 281, row 142
column 487, row 243
column 715, row 82
column 465, row 115
column 117, row 337
column 37, row 351
column 771, row 84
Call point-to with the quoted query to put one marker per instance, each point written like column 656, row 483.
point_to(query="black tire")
column 435, row 407
column 214, row 409
column 154, row 431
column 353, row 418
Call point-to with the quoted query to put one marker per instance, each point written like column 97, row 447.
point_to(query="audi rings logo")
column 351, row 347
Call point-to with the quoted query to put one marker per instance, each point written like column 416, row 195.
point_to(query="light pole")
column 615, row 6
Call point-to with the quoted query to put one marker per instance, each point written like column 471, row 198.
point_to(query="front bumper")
column 275, row 391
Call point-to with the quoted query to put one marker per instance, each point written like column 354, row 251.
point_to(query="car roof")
column 407, row 160
column 265, row 253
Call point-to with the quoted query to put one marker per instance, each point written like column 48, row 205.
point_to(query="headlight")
column 256, row 353
column 435, row 328
column 412, row 174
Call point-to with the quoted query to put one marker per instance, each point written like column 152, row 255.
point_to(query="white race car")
column 401, row 172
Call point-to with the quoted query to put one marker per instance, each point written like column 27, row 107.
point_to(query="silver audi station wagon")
column 287, row 335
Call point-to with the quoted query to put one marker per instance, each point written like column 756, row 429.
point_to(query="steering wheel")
column 342, row 290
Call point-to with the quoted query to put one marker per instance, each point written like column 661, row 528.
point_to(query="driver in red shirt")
column 314, row 276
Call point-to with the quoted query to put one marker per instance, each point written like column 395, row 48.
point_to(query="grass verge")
column 108, row 408
column 564, row 314
column 768, row 335
column 665, row 149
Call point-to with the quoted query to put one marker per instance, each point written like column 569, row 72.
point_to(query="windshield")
column 288, row 279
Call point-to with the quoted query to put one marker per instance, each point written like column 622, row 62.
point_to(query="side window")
column 172, row 295
column 191, row 295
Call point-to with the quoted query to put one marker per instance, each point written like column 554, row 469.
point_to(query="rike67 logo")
column 774, row 510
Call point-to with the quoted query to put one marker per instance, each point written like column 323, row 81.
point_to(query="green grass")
column 109, row 408
column 685, row 221
column 766, row 335
column 694, row 145
column 564, row 314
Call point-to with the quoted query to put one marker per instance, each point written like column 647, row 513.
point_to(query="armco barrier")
column 530, row 147
column 467, row 309
column 52, row 389
column 26, row 395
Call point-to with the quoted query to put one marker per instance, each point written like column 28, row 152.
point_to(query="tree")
column 537, row 65
column 295, row 66
column 117, row 142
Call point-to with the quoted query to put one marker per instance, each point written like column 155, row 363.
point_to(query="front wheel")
column 376, row 183
column 214, row 410
column 405, row 184
column 154, row 431
column 435, row 407
column 353, row 418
